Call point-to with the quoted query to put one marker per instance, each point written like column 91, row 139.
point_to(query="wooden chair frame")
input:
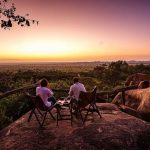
column 41, row 108
column 90, row 106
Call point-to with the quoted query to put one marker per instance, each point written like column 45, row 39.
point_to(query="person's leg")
column 52, row 99
column 74, row 104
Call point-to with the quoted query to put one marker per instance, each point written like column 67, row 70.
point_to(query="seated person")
column 143, row 84
column 76, row 88
column 45, row 93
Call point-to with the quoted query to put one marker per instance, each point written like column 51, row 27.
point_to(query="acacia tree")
column 8, row 16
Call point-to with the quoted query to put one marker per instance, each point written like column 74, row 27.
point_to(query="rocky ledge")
column 115, row 130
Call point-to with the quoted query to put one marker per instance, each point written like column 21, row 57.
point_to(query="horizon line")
column 102, row 61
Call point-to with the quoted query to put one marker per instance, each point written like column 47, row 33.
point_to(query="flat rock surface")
column 115, row 130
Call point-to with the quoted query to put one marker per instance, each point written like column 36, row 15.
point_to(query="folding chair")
column 87, row 102
column 41, row 108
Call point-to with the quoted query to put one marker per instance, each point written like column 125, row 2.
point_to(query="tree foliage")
column 105, row 76
column 115, row 73
column 8, row 16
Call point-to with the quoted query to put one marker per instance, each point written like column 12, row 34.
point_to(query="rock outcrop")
column 115, row 130
column 138, row 100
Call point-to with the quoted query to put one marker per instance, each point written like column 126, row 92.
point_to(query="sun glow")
column 47, row 49
column 44, row 48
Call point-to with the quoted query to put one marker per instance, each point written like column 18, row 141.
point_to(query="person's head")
column 143, row 84
column 44, row 82
column 75, row 79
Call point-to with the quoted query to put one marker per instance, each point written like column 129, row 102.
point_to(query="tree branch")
column 10, row 17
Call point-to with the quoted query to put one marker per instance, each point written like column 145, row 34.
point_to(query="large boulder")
column 137, row 100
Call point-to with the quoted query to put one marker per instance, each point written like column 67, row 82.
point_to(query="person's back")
column 76, row 88
column 44, row 92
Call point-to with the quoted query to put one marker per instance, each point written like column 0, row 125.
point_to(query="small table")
column 64, row 103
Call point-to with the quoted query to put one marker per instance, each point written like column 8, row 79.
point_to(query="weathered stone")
column 138, row 100
column 115, row 130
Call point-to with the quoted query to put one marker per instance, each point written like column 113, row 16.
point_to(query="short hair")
column 75, row 79
column 44, row 82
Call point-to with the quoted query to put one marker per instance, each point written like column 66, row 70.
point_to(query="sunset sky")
column 79, row 30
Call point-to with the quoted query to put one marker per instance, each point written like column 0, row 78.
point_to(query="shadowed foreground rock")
column 115, row 130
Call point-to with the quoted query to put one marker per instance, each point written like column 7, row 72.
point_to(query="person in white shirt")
column 76, row 88
column 45, row 93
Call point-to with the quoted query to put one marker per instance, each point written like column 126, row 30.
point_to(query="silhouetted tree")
column 8, row 16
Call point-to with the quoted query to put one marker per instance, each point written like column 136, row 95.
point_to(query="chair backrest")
column 87, row 98
column 40, row 104
column 37, row 101
column 93, row 96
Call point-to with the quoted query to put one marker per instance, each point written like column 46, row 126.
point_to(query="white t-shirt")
column 75, row 89
column 44, row 93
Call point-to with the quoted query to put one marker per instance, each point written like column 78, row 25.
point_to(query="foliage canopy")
column 8, row 16
column 108, row 76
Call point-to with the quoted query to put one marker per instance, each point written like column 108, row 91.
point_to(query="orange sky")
column 79, row 30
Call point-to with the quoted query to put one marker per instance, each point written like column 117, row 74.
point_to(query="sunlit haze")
column 79, row 30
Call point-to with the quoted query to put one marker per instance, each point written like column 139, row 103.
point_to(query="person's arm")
column 37, row 90
column 84, row 90
column 50, row 92
column 70, row 92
